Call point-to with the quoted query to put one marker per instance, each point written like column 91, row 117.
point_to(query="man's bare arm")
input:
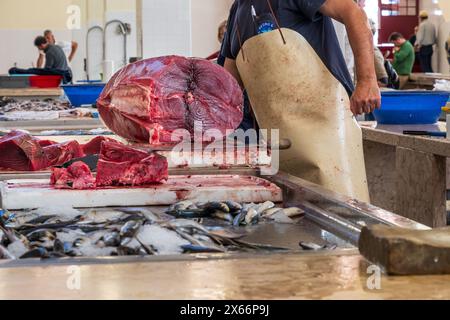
column 74, row 50
column 367, row 94
column 40, row 60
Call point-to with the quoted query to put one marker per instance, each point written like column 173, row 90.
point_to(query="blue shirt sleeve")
column 226, row 45
column 307, row 8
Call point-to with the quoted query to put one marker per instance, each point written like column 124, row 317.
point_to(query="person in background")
column 413, row 38
column 380, row 70
column 382, row 75
column 55, row 61
column 413, row 41
column 69, row 47
column 344, row 42
column 403, row 57
column 426, row 38
column 447, row 47
column 386, row 75
column 220, row 35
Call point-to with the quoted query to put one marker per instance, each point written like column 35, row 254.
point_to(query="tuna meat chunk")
column 78, row 176
column 148, row 100
column 120, row 165
column 22, row 152
column 93, row 146
column 60, row 153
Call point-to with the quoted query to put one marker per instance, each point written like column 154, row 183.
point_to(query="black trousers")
column 425, row 54
column 66, row 74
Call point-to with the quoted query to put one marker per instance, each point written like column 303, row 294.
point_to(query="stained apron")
column 292, row 90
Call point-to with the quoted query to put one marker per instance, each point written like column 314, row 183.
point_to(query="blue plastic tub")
column 411, row 107
column 83, row 94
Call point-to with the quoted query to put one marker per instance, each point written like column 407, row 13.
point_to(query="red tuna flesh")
column 58, row 154
column 120, row 165
column 22, row 152
column 146, row 101
column 94, row 146
column 78, row 176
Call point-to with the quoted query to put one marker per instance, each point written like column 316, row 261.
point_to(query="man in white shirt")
column 344, row 42
column 69, row 47
column 346, row 48
column 426, row 38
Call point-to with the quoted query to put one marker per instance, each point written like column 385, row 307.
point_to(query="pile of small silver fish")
column 234, row 213
column 13, row 105
column 133, row 231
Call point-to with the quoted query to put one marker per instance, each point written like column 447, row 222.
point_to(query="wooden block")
column 30, row 194
column 407, row 252
column 421, row 187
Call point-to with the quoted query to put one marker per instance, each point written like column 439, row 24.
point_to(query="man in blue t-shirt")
column 312, row 19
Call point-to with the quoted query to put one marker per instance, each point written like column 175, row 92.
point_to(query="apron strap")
column 276, row 21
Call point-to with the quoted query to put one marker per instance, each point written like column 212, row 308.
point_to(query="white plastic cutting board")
column 30, row 194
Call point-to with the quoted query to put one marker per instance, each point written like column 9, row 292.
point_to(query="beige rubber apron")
column 291, row 89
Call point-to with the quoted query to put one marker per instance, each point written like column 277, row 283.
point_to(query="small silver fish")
column 150, row 216
column 130, row 229
column 233, row 206
column 180, row 206
column 270, row 212
column 251, row 216
column 184, row 223
column 294, row 212
column 223, row 216
column 264, row 206
column 214, row 205
column 41, row 235
column 239, row 219
column 111, row 239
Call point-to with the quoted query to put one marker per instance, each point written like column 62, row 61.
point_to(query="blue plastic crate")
column 411, row 107
column 83, row 94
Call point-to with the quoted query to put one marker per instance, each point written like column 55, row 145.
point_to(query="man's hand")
column 367, row 94
column 366, row 97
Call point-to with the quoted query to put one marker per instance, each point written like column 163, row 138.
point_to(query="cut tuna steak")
column 94, row 146
column 146, row 101
column 120, row 165
column 77, row 176
column 21, row 152
column 58, row 154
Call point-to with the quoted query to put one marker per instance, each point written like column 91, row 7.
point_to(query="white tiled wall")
column 114, row 41
column 166, row 27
